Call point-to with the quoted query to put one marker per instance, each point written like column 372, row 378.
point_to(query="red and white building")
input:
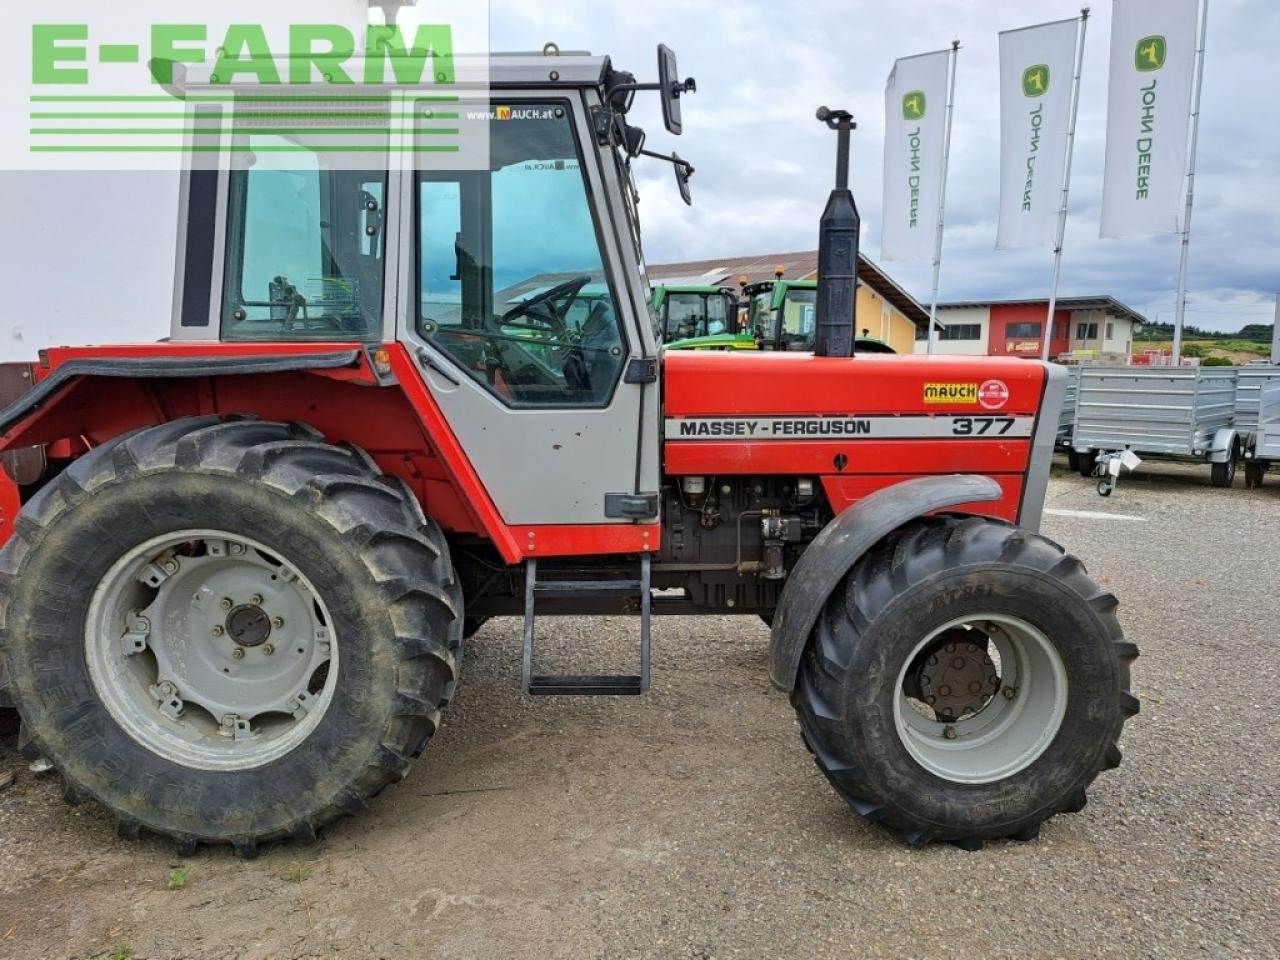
column 1083, row 327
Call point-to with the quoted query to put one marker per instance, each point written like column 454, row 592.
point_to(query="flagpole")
column 1181, row 316
column 942, row 199
column 1066, row 187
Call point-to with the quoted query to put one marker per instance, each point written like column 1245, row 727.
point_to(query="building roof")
column 1110, row 304
column 803, row 265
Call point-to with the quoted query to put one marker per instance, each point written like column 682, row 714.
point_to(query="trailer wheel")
column 254, row 631
column 966, row 683
column 1106, row 487
column 1224, row 474
column 1087, row 463
column 1254, row 471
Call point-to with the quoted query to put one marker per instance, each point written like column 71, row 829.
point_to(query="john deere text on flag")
column 1153, row 45
column 1036, row 69
column 915, row 124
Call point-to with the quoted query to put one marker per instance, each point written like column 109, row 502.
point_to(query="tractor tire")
column 267, row 527
column 1039, row 732
column 1223, row 475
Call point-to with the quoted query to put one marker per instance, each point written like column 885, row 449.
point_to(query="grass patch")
column 178, row 878
column 297, row 873
column 122, row 952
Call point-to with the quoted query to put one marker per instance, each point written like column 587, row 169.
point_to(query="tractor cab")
column 692, row 312
column 781, row 315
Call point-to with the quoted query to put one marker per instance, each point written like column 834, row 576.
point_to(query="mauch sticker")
column 993, row 395
column 951, row 393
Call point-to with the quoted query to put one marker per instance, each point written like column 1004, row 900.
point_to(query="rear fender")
column 843, row 542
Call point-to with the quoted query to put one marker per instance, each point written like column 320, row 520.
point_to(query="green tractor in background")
column 699, row 317
column 780, row 315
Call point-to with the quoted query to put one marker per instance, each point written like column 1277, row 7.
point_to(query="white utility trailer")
column 1262, row 448
column 1156, row 412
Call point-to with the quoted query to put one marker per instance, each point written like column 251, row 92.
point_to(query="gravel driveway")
column 691, row 823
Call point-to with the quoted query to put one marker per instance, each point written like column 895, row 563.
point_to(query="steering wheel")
column 567, row 291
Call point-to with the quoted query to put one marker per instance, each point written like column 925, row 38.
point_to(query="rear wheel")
column 255, row 631
column 967, row 682
column 1254, row 471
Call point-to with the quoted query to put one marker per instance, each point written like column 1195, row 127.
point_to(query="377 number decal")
column 983, row 426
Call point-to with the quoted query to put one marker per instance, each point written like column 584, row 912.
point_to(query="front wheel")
column 1224, row 474
column 966, row 683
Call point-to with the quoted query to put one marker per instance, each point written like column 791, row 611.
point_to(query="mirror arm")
column 683, row 164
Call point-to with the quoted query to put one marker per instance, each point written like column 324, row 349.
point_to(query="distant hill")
column 1160, row 332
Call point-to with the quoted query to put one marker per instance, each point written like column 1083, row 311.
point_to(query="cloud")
column 765, row 164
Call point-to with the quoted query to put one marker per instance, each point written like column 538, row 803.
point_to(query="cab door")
column 522, row 299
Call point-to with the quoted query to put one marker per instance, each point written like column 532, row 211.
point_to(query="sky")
column 90, row 258
column 765, row 164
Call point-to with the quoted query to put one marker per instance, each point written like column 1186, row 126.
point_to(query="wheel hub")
column 957, row 676
column 248, row 625
column 211, row 650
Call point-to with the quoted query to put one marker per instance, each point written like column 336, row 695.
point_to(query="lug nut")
column 277, row 622
column 268, row 649
column 256, row 599
column 226, row 603
column 1010, row 693
column 238, row 653
column 949, row 733
column 219, row 630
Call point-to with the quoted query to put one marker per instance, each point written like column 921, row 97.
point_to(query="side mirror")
column 684, row 171
column 671, row 87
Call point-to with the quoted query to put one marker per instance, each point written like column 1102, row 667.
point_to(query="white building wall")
column 962, row 348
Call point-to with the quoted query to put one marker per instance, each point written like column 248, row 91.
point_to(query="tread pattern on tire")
column 905, row 559
column 374, row 517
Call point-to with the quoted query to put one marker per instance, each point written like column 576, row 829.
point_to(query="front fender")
column 843, row 542
column 1224, row 446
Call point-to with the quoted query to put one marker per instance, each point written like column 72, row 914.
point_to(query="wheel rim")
column 996, row 728
column 211, row 650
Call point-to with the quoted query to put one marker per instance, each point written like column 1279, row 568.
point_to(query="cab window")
column 799, row 319
column 305, row 249
column 511, row 279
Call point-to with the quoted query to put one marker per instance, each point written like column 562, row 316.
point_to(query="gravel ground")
column 691, row 823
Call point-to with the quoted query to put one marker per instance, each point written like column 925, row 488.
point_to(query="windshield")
column 511, row 281
column 760, row 316
column 799, row 318
column 696, row 315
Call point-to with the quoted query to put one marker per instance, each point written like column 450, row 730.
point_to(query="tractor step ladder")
column 585, row 686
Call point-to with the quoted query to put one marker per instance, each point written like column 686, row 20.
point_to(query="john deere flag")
column 1153, row 45
column 1037, row 65
column 915, row 124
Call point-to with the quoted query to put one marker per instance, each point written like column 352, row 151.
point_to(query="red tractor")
column 240, row 569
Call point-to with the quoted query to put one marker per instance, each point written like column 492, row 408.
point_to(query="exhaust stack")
column 837, row 312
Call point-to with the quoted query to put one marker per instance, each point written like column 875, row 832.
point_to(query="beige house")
column 885, row 310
